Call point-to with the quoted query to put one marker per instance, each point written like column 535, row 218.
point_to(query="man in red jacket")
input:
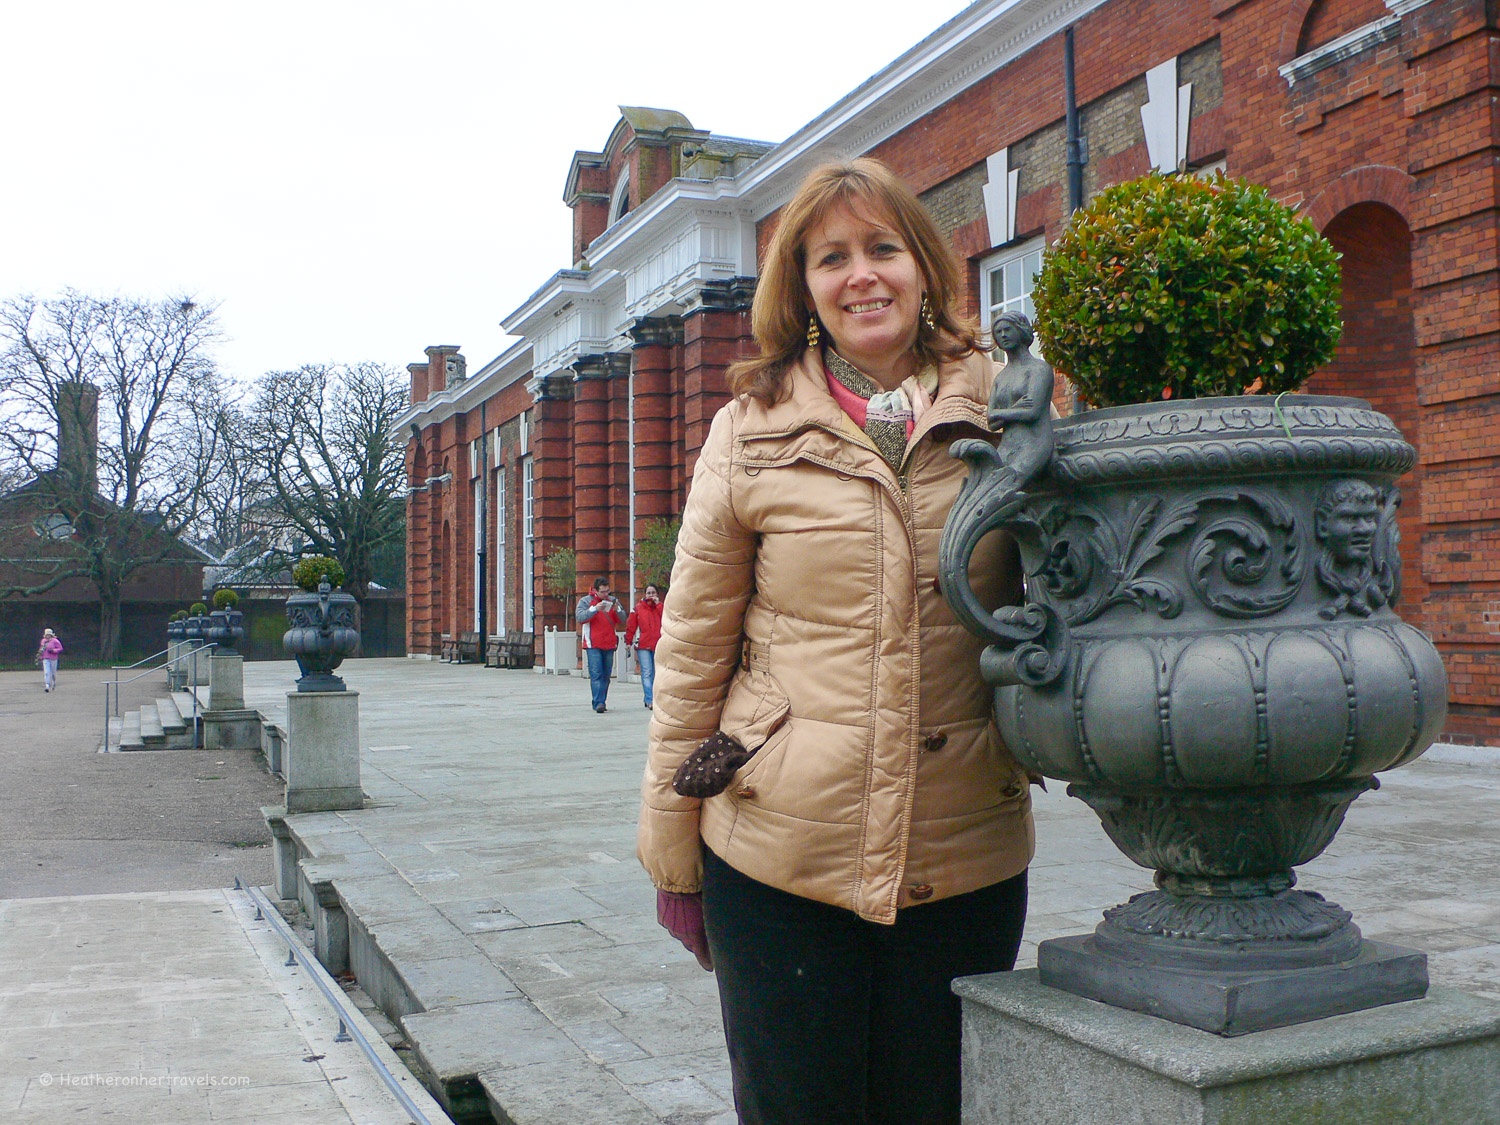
column 602, row 617
column 643, row 630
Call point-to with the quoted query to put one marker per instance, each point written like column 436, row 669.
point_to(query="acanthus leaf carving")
column 1120, row 551
column 1247, row 547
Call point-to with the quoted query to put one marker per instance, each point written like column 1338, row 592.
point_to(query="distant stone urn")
column 324, row 630
column 1210, row 655
column 225, row 630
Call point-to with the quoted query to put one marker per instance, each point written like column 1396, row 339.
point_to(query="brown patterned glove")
column 706, row 772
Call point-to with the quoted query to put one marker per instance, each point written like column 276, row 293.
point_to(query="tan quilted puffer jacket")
column 804, row 618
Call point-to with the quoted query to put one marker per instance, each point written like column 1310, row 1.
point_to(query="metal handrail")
column 115, row 684
column 117, row 669
column 142, row 660
column 349, row 1028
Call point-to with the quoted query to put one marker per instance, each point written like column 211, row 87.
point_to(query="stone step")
column 181, row 733
column 152, row 733
column 184, row 702
column 130, row 732
column 171, row 716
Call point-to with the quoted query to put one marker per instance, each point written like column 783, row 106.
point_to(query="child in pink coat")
column 48, row 653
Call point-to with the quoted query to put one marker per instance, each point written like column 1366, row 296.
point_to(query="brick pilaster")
column 592, row 471
column 1452, row 71
column 552, row 488
column 715, row 332
column 657, row 339
column 618, row 566
column 418, row 552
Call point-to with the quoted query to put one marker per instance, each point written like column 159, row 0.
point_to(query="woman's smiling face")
column 866, row 288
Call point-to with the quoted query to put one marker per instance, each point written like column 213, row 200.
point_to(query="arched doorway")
column 1376, row 359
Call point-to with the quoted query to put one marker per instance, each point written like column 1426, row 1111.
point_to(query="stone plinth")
column 321, row 758
column 1035, row 1055
column 272, row 743
column 196, row 666
column 226, row 682
column 237, row 729
column 1229, row 1002
column 177, row 677
column 283, row 851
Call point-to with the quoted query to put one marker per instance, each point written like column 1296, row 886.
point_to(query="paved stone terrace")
column 496, row 867
column 172, row 1007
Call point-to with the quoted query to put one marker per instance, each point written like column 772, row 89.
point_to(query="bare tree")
column 104, row 402
column 335, row 472
column 233, row 517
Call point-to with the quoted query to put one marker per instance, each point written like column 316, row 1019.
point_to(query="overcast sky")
column 355, row 181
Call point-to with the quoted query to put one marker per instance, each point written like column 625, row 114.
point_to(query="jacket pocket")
column 756, row 706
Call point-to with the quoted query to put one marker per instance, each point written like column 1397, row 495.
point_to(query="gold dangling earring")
column 813, row 335
column 927, row 317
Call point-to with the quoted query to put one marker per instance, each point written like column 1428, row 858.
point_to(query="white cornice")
column 1346, row 46
column 555, row 292
column 507, row 367
column 974, row 44
column 668, row 201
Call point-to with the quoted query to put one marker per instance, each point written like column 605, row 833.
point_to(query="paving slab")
column 172, row 1006
column 500, row 822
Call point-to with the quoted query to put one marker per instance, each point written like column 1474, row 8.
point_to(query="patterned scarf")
column 888, row 414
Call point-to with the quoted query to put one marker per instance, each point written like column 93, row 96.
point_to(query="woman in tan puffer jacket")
column 875, row 843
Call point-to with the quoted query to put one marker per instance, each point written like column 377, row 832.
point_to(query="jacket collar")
column 809, row 412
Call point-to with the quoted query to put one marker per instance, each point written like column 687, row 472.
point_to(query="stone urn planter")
column 195, row 630
column 226, row 630
column 176, row 631
column 1210, row 656
column 323, row 632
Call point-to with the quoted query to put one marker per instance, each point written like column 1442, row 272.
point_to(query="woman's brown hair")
column 782, row 309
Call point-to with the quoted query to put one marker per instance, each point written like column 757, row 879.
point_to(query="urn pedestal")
column 1210, row 656
column 195, row 667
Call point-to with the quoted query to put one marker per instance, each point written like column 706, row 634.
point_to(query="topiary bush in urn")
column 195, row 625
column 226, row 623
column 324, row 623
column 1209, row 652
column 1174, row 287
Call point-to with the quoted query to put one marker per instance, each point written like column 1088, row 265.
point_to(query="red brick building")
column 1377, row 118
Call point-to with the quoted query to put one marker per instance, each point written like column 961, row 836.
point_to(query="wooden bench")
column 514, row 650
column 467, row 648
column 448, row 647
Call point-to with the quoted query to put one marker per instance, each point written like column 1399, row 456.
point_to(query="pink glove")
column 682, row 916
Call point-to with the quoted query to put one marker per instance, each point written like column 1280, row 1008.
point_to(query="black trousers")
column 833, row 1020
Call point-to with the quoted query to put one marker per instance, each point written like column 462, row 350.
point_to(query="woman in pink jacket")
column 51, row 648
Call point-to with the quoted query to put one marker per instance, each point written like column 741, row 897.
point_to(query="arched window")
column 619, row 199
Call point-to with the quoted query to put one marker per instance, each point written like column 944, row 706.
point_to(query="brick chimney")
column 78, row 433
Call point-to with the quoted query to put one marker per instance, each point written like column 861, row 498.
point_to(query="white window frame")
column 500, row 552
column 528, row 544
column 619, row 196
column 478, row 542
column 997, row 263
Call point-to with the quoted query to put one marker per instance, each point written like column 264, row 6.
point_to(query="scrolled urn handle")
column 1028, row 643
column 325, row 619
